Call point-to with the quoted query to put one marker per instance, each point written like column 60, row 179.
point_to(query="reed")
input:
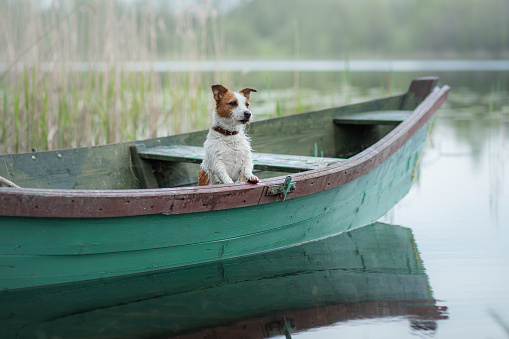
column 49, row 104
column 48, row 101
column 502, row 323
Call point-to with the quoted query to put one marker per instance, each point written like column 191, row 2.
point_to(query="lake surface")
column 437, row 265
column 288, row 65
column 458, row 211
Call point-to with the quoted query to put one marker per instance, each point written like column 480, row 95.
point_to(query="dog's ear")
column 219, row 91
column 245, row 92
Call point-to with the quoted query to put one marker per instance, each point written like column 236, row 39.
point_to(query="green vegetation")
column 95, row 108
column 372, row 29
column 47, row 103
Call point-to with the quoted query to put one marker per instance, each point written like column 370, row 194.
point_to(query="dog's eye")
column 247, row 104
column 232, row 103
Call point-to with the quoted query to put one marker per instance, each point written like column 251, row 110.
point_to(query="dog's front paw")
column 253, row 179
column 228, row 181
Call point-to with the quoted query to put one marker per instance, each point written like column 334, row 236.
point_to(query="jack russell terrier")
column 227, row 147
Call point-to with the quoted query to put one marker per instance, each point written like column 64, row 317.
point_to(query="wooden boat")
column 370, row 272
column 133, row 208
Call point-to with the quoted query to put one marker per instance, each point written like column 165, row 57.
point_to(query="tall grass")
column 46, row 104
column 49, row 101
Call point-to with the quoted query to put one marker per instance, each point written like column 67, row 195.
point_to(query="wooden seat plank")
column 262, row 161
column 181, row 153
column 290, row 163
column 373, row 118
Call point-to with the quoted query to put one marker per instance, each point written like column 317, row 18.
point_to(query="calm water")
column 444, row 274
column 458, row 211
column 291, row 65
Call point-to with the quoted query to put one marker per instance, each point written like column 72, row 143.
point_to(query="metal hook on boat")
column 282, row 190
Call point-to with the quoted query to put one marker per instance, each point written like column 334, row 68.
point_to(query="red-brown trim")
column 119, row 203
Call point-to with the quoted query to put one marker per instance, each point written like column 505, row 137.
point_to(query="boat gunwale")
column 69, row 203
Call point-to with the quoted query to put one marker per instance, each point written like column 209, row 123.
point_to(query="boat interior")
column 282, row 145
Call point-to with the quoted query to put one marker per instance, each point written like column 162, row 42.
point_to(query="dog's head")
column 232, row 107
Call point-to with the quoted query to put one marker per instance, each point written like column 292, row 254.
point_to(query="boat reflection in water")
column 371, row 272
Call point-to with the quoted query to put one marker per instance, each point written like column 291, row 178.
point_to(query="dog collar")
column 224, row 131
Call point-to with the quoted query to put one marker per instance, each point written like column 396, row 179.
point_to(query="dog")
column 227, row 148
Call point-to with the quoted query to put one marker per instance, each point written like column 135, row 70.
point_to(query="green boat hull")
column 133, row 208
column 52, row 251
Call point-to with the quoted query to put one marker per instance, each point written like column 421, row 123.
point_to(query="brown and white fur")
column 227, row 147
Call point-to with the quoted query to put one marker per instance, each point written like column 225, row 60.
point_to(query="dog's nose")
column 247, row 115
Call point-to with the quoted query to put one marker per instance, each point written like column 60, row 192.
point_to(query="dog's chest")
column 231, row 151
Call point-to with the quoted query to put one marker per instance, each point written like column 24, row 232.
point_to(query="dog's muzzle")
column 247, row 117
